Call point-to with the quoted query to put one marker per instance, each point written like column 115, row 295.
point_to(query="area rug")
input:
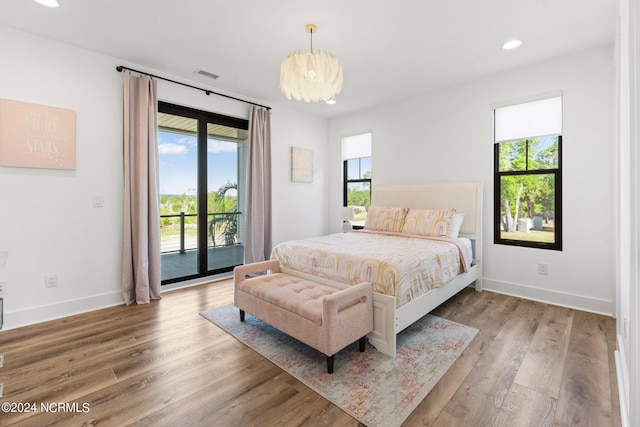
column 374, row 388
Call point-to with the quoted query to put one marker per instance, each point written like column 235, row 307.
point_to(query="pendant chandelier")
column 311, row 76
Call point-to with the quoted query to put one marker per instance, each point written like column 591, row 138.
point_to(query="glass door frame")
column 203, row 118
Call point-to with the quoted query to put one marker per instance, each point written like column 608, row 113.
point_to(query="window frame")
column 203, row 118
column 356, row 146
column 346, row 181
column 497, row 208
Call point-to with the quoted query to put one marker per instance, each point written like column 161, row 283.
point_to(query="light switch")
column 98, row 201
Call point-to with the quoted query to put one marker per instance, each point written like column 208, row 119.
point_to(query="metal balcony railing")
column 222, row 230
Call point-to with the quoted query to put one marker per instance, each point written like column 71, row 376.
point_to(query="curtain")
column 258, row 219
column 141, row 239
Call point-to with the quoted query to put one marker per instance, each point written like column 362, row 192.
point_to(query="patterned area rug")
column 372, row 387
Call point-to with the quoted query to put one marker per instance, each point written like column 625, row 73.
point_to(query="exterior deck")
column 183, row 264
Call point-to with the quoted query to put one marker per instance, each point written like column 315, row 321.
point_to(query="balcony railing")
column 222, row 230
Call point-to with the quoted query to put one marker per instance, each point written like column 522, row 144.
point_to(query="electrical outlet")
column 51, row 280
column 3, row 287
column 543, row 268
column 1, row 360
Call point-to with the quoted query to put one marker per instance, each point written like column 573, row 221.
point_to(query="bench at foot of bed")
column 323, row 317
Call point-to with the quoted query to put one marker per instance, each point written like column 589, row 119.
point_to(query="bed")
column 412, row 274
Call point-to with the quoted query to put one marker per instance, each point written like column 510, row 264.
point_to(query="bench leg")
column 362, row 342
column 242, row 315
column 330, row 360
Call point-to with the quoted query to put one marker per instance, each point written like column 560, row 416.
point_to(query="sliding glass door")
column 201, row 163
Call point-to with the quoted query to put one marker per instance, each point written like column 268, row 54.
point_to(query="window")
column 356, row 158
column 528, row 174
column 201, row 170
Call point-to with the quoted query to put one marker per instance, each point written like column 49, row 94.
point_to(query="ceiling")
column 389, row 50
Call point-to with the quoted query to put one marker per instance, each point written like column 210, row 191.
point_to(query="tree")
column 537, row 189
column 511, row 189
column 225, row 216
column 358, row 196
column 512, row 157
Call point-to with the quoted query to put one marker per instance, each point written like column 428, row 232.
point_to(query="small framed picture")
column 301, row 164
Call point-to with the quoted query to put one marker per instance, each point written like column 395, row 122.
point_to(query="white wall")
column 47, row 222
column 447, row 136
column 627, row 233
column 300, row 209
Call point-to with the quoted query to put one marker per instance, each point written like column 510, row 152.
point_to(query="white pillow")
column 456, row 223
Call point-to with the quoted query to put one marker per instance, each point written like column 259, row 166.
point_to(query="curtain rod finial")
column 119, row 68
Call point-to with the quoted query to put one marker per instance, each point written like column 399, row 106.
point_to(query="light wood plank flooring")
column 162, row 364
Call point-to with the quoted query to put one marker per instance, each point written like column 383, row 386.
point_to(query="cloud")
column 171, row 148
column 188, row 140
column 217, row 146
column 181, row 146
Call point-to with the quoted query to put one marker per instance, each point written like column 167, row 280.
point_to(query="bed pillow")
column 380, row 218
column 428, row 222
column 456, row 224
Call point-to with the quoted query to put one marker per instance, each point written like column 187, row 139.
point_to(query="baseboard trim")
column 622, row 375
column 32, row 315
column 44, row 313
column 579, row 302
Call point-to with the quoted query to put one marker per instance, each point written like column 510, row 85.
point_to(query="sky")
column 177, row 156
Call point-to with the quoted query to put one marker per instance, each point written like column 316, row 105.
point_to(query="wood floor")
column 163, row 364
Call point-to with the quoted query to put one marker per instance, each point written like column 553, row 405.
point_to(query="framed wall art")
column 301, row 164
column 37, row 136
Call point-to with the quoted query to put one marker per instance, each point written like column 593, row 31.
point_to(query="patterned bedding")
column 396, row 264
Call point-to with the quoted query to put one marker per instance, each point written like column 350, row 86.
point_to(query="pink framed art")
column 37, row 136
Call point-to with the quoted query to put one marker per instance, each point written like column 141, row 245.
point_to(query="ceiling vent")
column 207, row 74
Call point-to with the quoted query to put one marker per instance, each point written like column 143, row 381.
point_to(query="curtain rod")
column 121, row 68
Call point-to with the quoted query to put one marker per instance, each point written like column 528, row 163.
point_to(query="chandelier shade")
column 310, row 76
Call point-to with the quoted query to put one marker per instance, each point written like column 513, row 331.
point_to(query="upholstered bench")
column 323, row 317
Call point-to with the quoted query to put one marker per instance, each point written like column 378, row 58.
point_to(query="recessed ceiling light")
column 48, row 3
column 511, row 44
column 331, row 101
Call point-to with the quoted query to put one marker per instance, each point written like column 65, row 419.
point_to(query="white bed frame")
column 465, row 198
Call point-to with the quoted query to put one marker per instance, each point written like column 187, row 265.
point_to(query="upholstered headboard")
column 466, row 198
